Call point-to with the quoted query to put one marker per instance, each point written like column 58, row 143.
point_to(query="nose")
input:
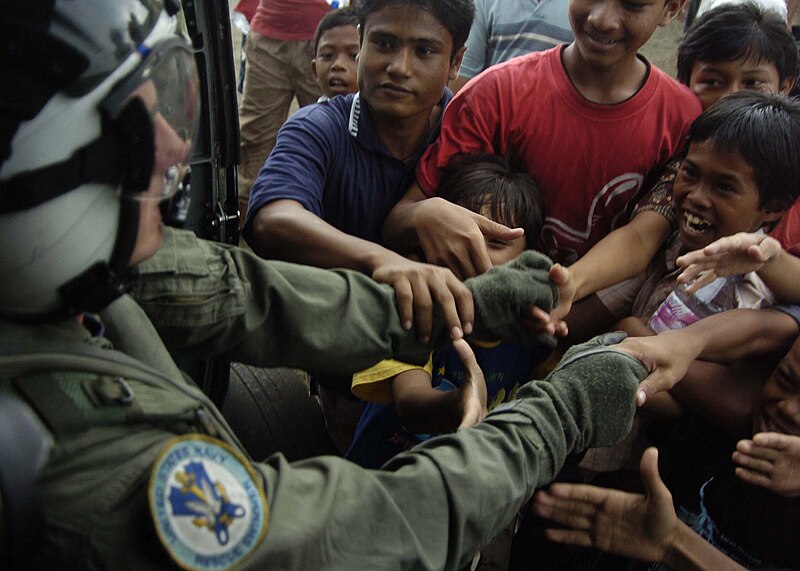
column 340, row 63
column 171, row 148
column 401, row 63
column 604, row 15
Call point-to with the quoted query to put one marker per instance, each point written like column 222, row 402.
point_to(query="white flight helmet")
column 82, row 144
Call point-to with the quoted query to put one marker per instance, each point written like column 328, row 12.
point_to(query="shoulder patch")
column 207, row 503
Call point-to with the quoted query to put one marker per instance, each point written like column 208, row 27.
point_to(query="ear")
column 786, row 85
column 314, row 69
column 671, row 9
column 455, row 64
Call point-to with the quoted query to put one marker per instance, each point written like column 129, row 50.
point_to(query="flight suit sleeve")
column 435, row 506
column 219, row 300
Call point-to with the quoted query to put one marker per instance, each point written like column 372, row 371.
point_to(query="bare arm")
column 721, row 338
column 622, row 254
column 424, row 409
column 448, row 234
column 633, row 525
column 284, row 229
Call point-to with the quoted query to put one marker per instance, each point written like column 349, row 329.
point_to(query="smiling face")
column 335, row 63
column 712, row 81
column 608, row 33
column 404, row 62
column 715, row 195
column 779, row 409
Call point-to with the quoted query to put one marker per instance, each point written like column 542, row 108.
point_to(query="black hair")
column 333, row 19
column 738, row 31
column 764, row 129
column 514, row 199
column 455, row 15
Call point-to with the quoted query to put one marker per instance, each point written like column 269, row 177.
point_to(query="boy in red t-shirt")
column 588, row 121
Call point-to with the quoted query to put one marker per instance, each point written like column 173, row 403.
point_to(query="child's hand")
column 737, row 254
column 770, row 460
column 473, row 391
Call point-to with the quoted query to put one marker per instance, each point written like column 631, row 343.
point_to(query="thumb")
column 655, row 382
column 651, row 480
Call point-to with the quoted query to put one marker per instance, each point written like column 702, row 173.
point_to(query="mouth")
column 394, row 89
column 338, row 84
column 599, row 41
column 694, row 225
column 766, row 423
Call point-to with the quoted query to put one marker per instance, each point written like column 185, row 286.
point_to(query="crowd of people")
column 545, row 293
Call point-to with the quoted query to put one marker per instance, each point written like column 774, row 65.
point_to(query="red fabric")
column 787, row 232
column 247, row 7
column 590, row 160
column 292, row 20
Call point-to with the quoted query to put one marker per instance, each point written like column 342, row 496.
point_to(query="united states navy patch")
column 209, row 509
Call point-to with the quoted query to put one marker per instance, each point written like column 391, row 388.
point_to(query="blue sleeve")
column 792, row 311
column 298, row 166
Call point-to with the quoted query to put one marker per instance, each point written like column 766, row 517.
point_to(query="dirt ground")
column 662, row 48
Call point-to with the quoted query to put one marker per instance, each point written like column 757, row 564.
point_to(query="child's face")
column 779, row 409
column 404, row 62
column 502, row 251
column 712, row 81
column 715, row 195
column 335, row 64
column 610, row 32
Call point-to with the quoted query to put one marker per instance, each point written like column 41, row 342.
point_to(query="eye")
column 353, row 55
column 424, row 51
column 634, row 6
column 756, row 85
column 688, row 172
column 496, row 243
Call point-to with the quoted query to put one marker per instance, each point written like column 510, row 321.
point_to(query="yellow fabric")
column 373, row 384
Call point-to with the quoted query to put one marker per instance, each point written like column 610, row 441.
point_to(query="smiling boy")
column 588, row 121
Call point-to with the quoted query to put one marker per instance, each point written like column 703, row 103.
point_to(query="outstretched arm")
column 739, row 254
column 285, row 230
column 633, row 525
column 723, row 337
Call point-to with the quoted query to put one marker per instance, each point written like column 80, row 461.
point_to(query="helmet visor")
column 167, row 83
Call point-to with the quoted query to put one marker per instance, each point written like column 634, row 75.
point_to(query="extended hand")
column 737, row 254
column 666, row 356
column 455, row 237
column 473, row 391
column 632, row 525
column 417, row 286
column 770, row 460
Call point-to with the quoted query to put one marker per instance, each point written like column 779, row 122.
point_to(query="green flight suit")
column 111, row 411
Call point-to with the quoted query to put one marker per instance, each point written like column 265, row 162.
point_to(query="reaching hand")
column 553, row 323
column 454, row 237
column 737, row 254
column 770, row 460
column 417, row 286
column 473, row 391
column 667, row 356
column 632, row 525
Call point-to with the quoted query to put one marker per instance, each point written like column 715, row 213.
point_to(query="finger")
column 472, row 416
column 465, row 305
column 494, row 229
column 761, row 465
column 440, row 292
column 776, row 440
column 537, row 320
column 563, row 515
column 467, row 357
column 655, row 383
column 753, row 478
column 423, row 309
column 751, row 449
column 695, row 278
column 569, row 537
column 405, row 302
column 651, row 480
